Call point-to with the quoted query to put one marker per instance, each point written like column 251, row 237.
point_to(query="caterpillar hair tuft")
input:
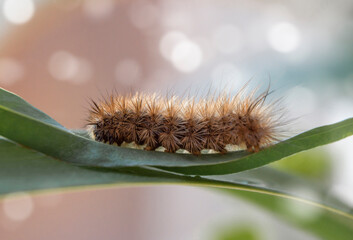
column 220, row 123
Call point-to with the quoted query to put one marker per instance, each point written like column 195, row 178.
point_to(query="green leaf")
column 242, row 232
column 23, row 169
column 28, row 126
column 314, row 164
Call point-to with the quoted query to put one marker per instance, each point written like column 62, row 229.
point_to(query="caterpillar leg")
column 150, row 148
column 253, row 148
column 169, row 151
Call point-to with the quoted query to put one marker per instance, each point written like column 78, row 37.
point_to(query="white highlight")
column 18, row 206
column 128, row 71
column 10, row 71
column 284, row 37
column 186, row 56
column 18, row 11
column 169, row 41
column 64, row 66
column 227, row 39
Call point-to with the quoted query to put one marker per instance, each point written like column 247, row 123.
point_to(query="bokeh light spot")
column 65, row 66
column 284, row 37
column 18, row 206
column 169, row 41
column 18, row 11
column 186, row 56
column 10, row 71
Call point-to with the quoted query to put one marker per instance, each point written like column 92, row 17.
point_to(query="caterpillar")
column 220, row 123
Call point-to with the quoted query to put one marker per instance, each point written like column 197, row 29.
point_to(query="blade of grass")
column 23, row 169
column 26, row 125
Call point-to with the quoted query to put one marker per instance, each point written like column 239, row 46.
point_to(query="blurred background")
column 57, row 54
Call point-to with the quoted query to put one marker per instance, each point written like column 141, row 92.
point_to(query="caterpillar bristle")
column 213, row 123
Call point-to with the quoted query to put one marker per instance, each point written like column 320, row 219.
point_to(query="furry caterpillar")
column 214, row 123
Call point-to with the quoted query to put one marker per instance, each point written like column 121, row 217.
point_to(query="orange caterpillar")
column 215, row 123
